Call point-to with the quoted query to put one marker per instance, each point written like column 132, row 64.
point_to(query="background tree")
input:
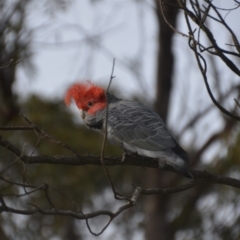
column 157, row 207
column 200, row 12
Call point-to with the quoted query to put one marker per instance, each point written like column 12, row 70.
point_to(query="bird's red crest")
column 85, row 93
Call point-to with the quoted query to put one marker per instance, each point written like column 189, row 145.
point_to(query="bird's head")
column 87, row 96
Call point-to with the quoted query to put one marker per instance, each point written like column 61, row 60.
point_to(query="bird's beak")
column 82, row 113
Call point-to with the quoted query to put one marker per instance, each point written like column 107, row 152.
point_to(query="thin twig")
column 60, row 143
column 15, row 128
column 116, row 195
column 7, row 64
column 106, row 116
column 26, row 163
column 113, row 161
column 237, row 102
column 30, row 192
column 180, row 188
column 203, row 68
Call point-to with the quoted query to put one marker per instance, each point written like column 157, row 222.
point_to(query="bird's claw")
column 123, row 157
column 161, row 163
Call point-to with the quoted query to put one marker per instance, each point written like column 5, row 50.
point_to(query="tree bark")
column 8, row 105
column 165, row 58
column 156, row 207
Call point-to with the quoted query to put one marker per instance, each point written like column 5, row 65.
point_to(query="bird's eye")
column 89, row 104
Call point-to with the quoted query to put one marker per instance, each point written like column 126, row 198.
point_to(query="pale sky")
column 59, row 65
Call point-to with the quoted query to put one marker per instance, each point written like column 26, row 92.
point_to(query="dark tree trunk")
column 156, row 208
column 2, row 233
column 8, row 106
column 70, row 231
column 165, row 58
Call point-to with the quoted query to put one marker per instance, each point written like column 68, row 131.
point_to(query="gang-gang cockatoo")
column 132, row 126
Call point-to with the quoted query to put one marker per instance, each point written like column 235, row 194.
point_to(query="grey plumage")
column 138, row 129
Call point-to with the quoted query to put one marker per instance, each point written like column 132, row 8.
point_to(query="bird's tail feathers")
column 183, row 170
column 180, row 162
column 180, row 165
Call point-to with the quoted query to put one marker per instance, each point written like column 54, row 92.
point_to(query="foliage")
column 76, row 182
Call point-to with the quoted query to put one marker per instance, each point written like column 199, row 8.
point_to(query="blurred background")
column 48, row 45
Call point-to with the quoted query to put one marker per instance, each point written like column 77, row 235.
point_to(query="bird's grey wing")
column 133, row 125
column 138, row 129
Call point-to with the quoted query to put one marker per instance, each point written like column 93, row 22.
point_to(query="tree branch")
column 130, row 160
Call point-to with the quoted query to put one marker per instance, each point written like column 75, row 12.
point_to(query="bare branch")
column 11, row 128
column 203, row 68
column 44, row 134
column 7, row 64
column 234, row 38
column 199, row 19
column 171, row 190
column 238, row 104
column 114, row 161
column 199, row 115
column 116, row 195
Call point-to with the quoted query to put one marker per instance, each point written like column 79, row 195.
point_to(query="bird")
column 131, row 125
